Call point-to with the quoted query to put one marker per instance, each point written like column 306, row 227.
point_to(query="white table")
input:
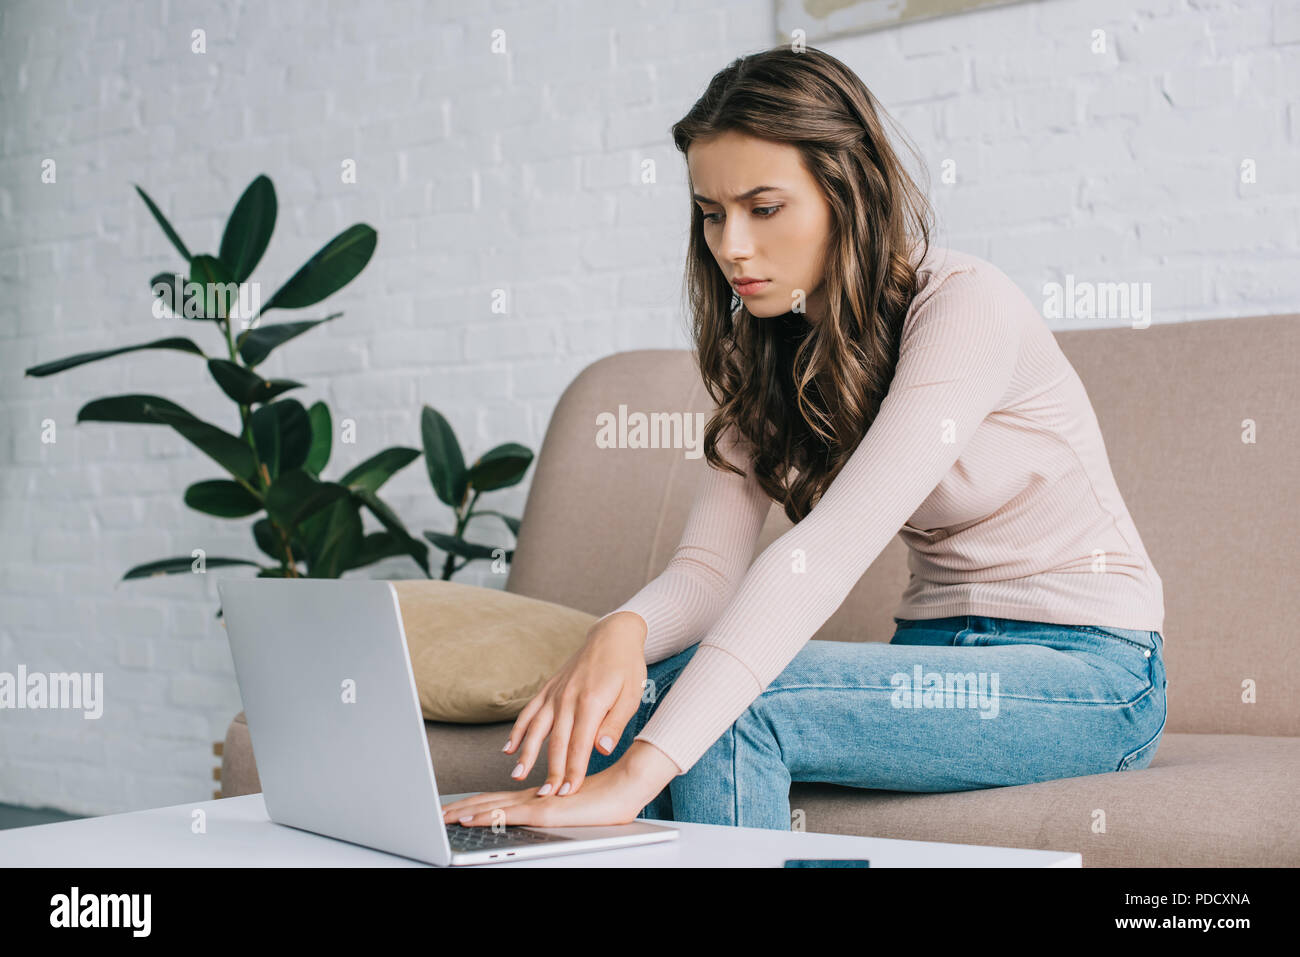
column 239, row 834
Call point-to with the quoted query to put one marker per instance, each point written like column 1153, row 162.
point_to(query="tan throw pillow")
column 480, row 654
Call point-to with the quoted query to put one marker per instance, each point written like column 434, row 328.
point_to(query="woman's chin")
column 762, row 310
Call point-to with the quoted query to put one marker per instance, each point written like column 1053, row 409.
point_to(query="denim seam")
column 1129, row 758
column 735, row 780
column 1106, row 634
column 1010, row 697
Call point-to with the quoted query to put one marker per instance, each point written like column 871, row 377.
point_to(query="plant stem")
column 288, row 564
column 243, row 409
column 463, row 515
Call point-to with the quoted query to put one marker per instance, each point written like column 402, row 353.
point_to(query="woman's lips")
column 749, row 288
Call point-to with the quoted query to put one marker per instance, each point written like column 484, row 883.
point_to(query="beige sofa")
column 1220, row 517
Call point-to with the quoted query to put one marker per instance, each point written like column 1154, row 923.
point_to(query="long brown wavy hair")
column 803, row 395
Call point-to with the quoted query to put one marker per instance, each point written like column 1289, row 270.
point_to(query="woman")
column 874, row 386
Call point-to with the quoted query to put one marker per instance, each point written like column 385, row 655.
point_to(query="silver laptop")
column 338, row 734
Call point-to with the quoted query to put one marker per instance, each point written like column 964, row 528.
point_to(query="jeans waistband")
column 1010, row 626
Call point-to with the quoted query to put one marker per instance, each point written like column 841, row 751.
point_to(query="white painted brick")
column 1121, row 95
column 135, row 651
column 658, row 288
column 137, row 688
column 498, row 418
column 1047, row 110
column 1231, row 130
column 511, row 340
column 1067, row 56
column 920, row 79
column 212, row 656
column 1239, row 230
column 1233, row 30
column 414, row 348
column 1201, row 86
column 1014, row 203
column 975, row 116
column 1165, row 42
column 197, row 691
column 367, row 391
column 116, row 513
column 33, row 782
column 580, row 212
column 1286, row 23
column 166, row 722
column 1272, row 282
column 133, row 618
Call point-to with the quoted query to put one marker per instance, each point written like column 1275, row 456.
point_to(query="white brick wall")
column 517, row 172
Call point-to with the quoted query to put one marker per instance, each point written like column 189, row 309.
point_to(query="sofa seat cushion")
column 1206, row 800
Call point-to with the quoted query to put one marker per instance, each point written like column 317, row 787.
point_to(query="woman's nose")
column 736, row 243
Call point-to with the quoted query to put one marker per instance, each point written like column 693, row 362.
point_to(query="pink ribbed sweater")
column 985, row 458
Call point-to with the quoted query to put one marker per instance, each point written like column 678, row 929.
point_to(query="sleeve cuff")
column 665, row 632
column 713, row 690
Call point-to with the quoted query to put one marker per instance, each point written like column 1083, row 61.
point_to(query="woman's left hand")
column 613, row 796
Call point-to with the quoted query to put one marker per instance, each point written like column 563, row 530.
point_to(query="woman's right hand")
column 586, row 704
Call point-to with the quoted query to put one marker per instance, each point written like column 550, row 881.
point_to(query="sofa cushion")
column 480, row 654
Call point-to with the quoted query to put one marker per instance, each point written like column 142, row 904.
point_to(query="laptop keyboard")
column 478, row 838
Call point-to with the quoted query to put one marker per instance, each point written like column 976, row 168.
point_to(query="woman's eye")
column 758, row 209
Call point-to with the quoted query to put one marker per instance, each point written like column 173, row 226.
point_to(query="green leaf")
column 322, row 437
column 265, row 537
column 128, row 408
column 49, row 368
column 218, row 289
column 268, row 541
column 458, row 546
column 223, row 498
column 166, row 226
column 379, row 468
column 388, row 518
column 334, row 536
column 511, row 522
column 443, row 458
column 220, row 446
column 377, row 546
column 256, row 343
column 181, row 566
column 245, row 386
column 283, row 434
column 295, row 495
column 336, row 264
column 248, row 231
column 501, row 467
column 274, row 571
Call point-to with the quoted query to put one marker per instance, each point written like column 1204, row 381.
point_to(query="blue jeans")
column 949, row 704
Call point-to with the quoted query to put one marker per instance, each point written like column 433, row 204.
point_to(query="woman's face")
column 778, row 234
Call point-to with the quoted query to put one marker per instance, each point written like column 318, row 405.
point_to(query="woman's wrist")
column 622, row 623
column 649, row 768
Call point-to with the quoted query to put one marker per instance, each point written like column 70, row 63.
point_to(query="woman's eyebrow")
column 748, row 194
